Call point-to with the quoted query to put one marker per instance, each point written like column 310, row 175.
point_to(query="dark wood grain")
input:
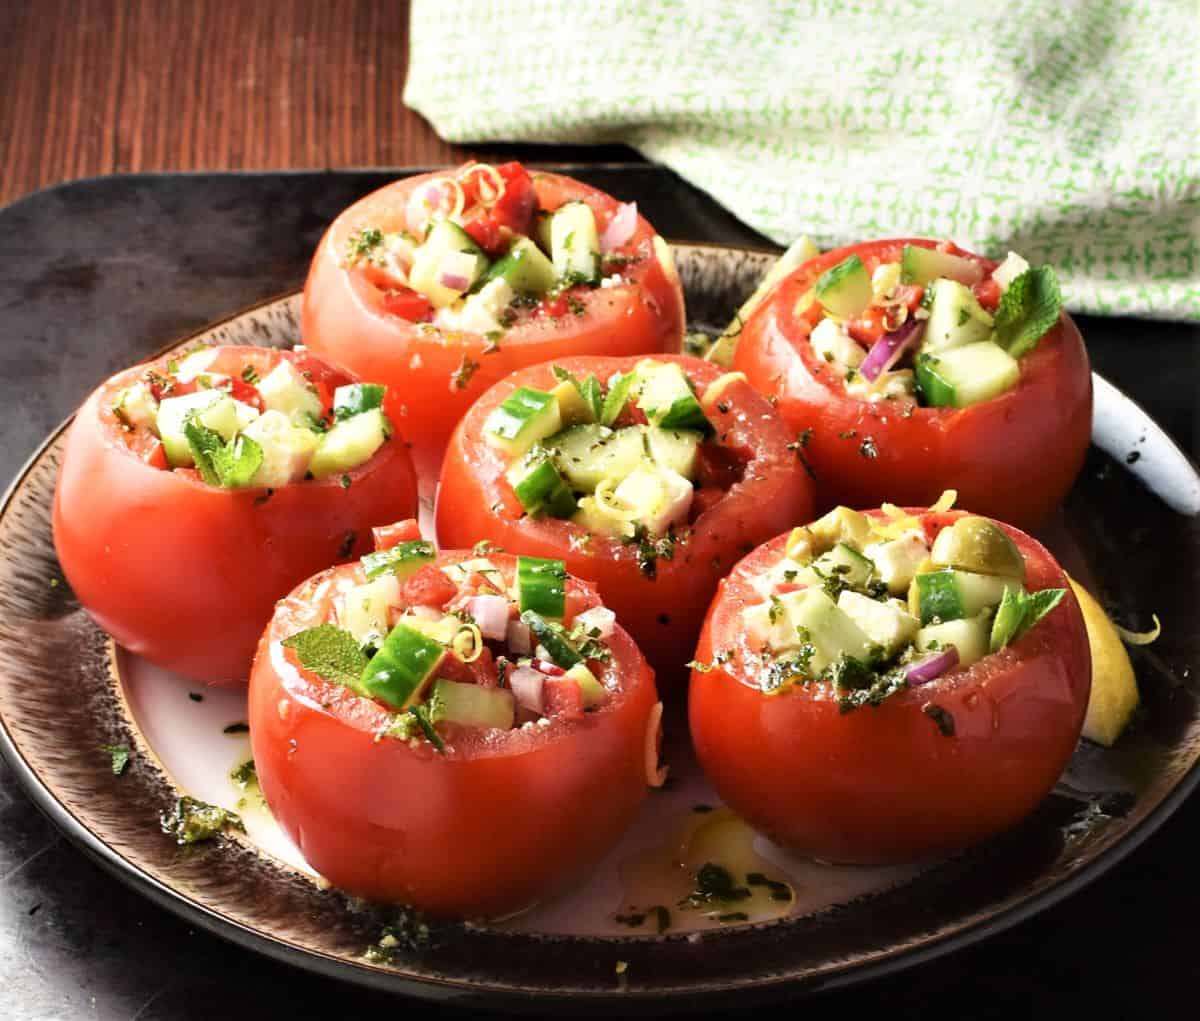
column 102, row 86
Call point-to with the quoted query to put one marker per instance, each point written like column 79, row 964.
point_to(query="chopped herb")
column 190, row 820
column 1028, row 310
column 225, row 464
column 868, row 449
column 362, row 244
column 250, row 375
column 634, row 919
column 662, row 917
column 702, row 808
column 421, row 715
column 779, row 891
column 702, row 668
column 347, row 546
column 410, row 931
column 330, row 653
column 493, row 341
column 587, row 642
column 714, row 885
column 650, row 550
column 576, row 306
column 263, row 497
column 119, row 756
column 849, row 434
column 734, row 916
column 345, row 481
column 244, row 775
column 943, row 719
column 195, row 696
column 616, row 398
column 484, row 547
column 801, row 441
column 238, row 728
column 461, row 377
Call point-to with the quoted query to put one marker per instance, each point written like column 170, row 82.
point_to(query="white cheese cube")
column 287, row 449
column 137, row 408
column 897, row 561
column 888, row 624
column 285, row 390
column 657, row 497
column 366, row 609
column 1008, row 271
column 831, row 341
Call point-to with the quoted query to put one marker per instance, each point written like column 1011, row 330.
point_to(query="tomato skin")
column 344, row 319
column 1045, row 421
column 662, row 613
column 387, row 536
column 164, row 562
column 884, row 784
column 499, row 822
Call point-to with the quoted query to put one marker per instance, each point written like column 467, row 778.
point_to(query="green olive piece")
column 980, row 545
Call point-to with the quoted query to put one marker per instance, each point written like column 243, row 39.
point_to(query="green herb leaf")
column 589, row 389
column 421, row 715
column 204, row 444
column 244, row 775
column 355, row 398
column 330, row 653
column 120, row 757
column 616, row 398
column 401, row 555
column 190, row 820
column 227, row 465
column 1028, row 309
column 1037, row 605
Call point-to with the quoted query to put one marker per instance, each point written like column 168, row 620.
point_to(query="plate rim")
column 637, row 999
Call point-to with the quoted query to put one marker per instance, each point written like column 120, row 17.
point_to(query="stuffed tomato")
column 462, row 732
column 442, row 284
column 650, row 477
column 197, row 491
column 890, row 686
column 914, row 367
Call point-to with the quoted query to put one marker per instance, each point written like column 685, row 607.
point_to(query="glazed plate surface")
column 65, row 692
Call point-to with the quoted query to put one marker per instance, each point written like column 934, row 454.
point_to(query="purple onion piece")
column 888, row 349
column 454, row 281
column 620, row 228
column 932, row 667
column 526, row 684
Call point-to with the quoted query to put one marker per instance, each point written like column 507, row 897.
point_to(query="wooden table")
column 102, row 87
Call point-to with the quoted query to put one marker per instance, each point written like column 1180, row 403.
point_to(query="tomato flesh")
column 886, row 784
column 915, row 453
column 501, row 820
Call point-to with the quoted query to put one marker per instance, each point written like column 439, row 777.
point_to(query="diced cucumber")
column 969, row 636
column 830, row 341
column 366, row 609
column 897, row 560
column 977, row 544
column 840, row 525
column 845, row 290
column 955, row 318
column 675, row 449
column 525, row 269
column 482, row 311
column 541, row 489
column 657, row 497
column 445, row 242
column 471, row 705
column 355, row 398
column 843, row 563
column 887, row 624
column 770, row 623
column 350, row 443
column 575, row 244
column 400, row 561
column 831, row 631
column 572, row 408
column 952, row 595
column 285, row 390
column 213, row 409
column 588, row 454
column 594, row 693
column 665, row 395
column 441, row 629
column 525, row 417
column 551, row 639
column 966, row 375
column 1008, row 271
column 542, row 586
column 921, row 265
column 401, row 670
column 287, row 449
column 136, row 408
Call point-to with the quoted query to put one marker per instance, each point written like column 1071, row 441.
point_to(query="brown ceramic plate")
column 61, row 699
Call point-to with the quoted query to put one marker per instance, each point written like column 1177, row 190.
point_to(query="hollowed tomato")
column 187, row 574
column 500, row 820
column 932, row 769
column 1012, row 457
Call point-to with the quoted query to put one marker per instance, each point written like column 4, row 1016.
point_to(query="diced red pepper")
column 555, row 307
column 407, row 304
column 387, row 536
column 932, row 524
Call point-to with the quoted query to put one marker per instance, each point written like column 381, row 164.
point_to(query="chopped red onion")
column 518, row 637
column 888, row 349
column 454, row 281
column 548, row 668
column 597, row 622
column 620, row 228
column 491, row 615
column 526, row 684
column 932, row 667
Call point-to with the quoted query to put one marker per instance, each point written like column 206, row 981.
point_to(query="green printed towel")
column 1068, row 131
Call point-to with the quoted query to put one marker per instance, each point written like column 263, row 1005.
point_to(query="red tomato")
column 502, row 820
column 434, row 376
column 496, row 220
column 429, row 587
column 1013, row 457
column 187, row 574
column 662, row 612
column 387, row 536
column 885, row 784
column 407, row 304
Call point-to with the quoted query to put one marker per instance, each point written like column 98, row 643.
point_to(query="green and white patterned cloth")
column 1068, row 131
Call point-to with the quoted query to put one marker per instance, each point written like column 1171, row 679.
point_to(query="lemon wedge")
column 1114, row 694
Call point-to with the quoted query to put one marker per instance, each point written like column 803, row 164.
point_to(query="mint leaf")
column 617, row 397
column 330, row 653
column 400, row 555
column 1037, row 605
column 227, row 465
column 119, row 754
column 355, row 398
column 590, row 390
column 1028, row 310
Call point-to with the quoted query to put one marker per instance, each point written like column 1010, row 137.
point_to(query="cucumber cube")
column 967, row 375
column 955, row 318
column 839, row 525
column 665, row 395
column 594, row 693
column 897, row 560
column 887, row 624
column 213, row 409
column 524, row 418
column 350, row 443
column 572, row 408
column 970, row 636
column 525, row 269
column 845, row 290
column 574, row 243
column 830, row 630
column 472, row 705
column 842, row 563
column 921, row 265
column 541, row 489
column 952, row 595
column 287, row 449
column 403, row 667
column 480, row 312
column 366, row 609
column 447, row 249
column 285, row 390
column 136, row 407
column 542, row 586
